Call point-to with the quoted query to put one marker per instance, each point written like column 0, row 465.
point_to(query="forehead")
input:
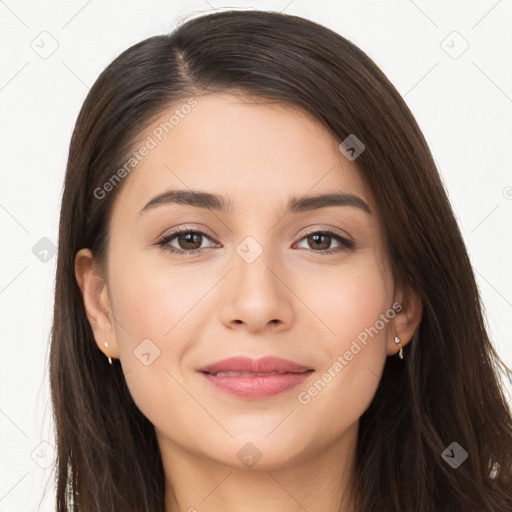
column 251, row 152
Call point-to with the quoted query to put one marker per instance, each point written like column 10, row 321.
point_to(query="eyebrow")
column 219, row 203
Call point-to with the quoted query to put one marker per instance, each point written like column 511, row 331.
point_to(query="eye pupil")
column 315, row 238
column 188, row 238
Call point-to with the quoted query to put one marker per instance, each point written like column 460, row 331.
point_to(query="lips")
column 265, row 365
column 249, row 378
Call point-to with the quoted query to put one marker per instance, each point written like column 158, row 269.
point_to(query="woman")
column 263, row 300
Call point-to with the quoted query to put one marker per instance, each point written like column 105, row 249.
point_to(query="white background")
column 463, row 105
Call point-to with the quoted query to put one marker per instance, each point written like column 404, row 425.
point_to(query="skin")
column 201, row 308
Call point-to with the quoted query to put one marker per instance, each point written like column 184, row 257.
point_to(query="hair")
column 446, row 389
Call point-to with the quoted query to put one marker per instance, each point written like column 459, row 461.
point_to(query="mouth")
column 251, row 374
column 256, row 385
column 264, row 365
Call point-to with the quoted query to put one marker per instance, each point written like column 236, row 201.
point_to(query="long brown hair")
column 448, row 386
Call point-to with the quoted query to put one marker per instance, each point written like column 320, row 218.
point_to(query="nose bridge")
column 256, row 294
column 252, row 264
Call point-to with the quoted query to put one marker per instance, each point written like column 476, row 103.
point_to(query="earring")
column 401, row 352
column 109, row 358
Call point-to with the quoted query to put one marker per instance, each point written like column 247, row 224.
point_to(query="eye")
column 322, row 240
column 189, row 241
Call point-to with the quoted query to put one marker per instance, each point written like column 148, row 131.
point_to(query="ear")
column 96, row 302
column 407, row 319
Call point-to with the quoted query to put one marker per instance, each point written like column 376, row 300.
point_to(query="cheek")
column 154, row 300
column 348, row 299
column 156, row 310
column 352, row 304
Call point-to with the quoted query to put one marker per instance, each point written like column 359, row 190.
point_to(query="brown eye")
column 189, row 241
column 184, row 241
column 320, row 241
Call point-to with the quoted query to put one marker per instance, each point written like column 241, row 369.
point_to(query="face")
column 253, row 279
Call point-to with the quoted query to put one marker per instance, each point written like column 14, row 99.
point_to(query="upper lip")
column 247, row 365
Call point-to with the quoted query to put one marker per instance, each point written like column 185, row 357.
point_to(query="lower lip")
column 261, row 386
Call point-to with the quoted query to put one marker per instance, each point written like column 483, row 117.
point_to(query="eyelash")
column 346, row 245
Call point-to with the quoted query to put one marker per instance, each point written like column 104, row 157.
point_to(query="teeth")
column 242, row 374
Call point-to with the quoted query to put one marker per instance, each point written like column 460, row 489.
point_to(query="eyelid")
column 330, row 229
column 346, row 243
column 186, row 228
column 308, row 231
column 164, row 239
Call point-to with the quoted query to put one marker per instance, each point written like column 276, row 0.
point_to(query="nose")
column 257, row 296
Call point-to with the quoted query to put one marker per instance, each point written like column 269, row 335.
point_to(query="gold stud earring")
column 109, row 358
column 401, row 351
